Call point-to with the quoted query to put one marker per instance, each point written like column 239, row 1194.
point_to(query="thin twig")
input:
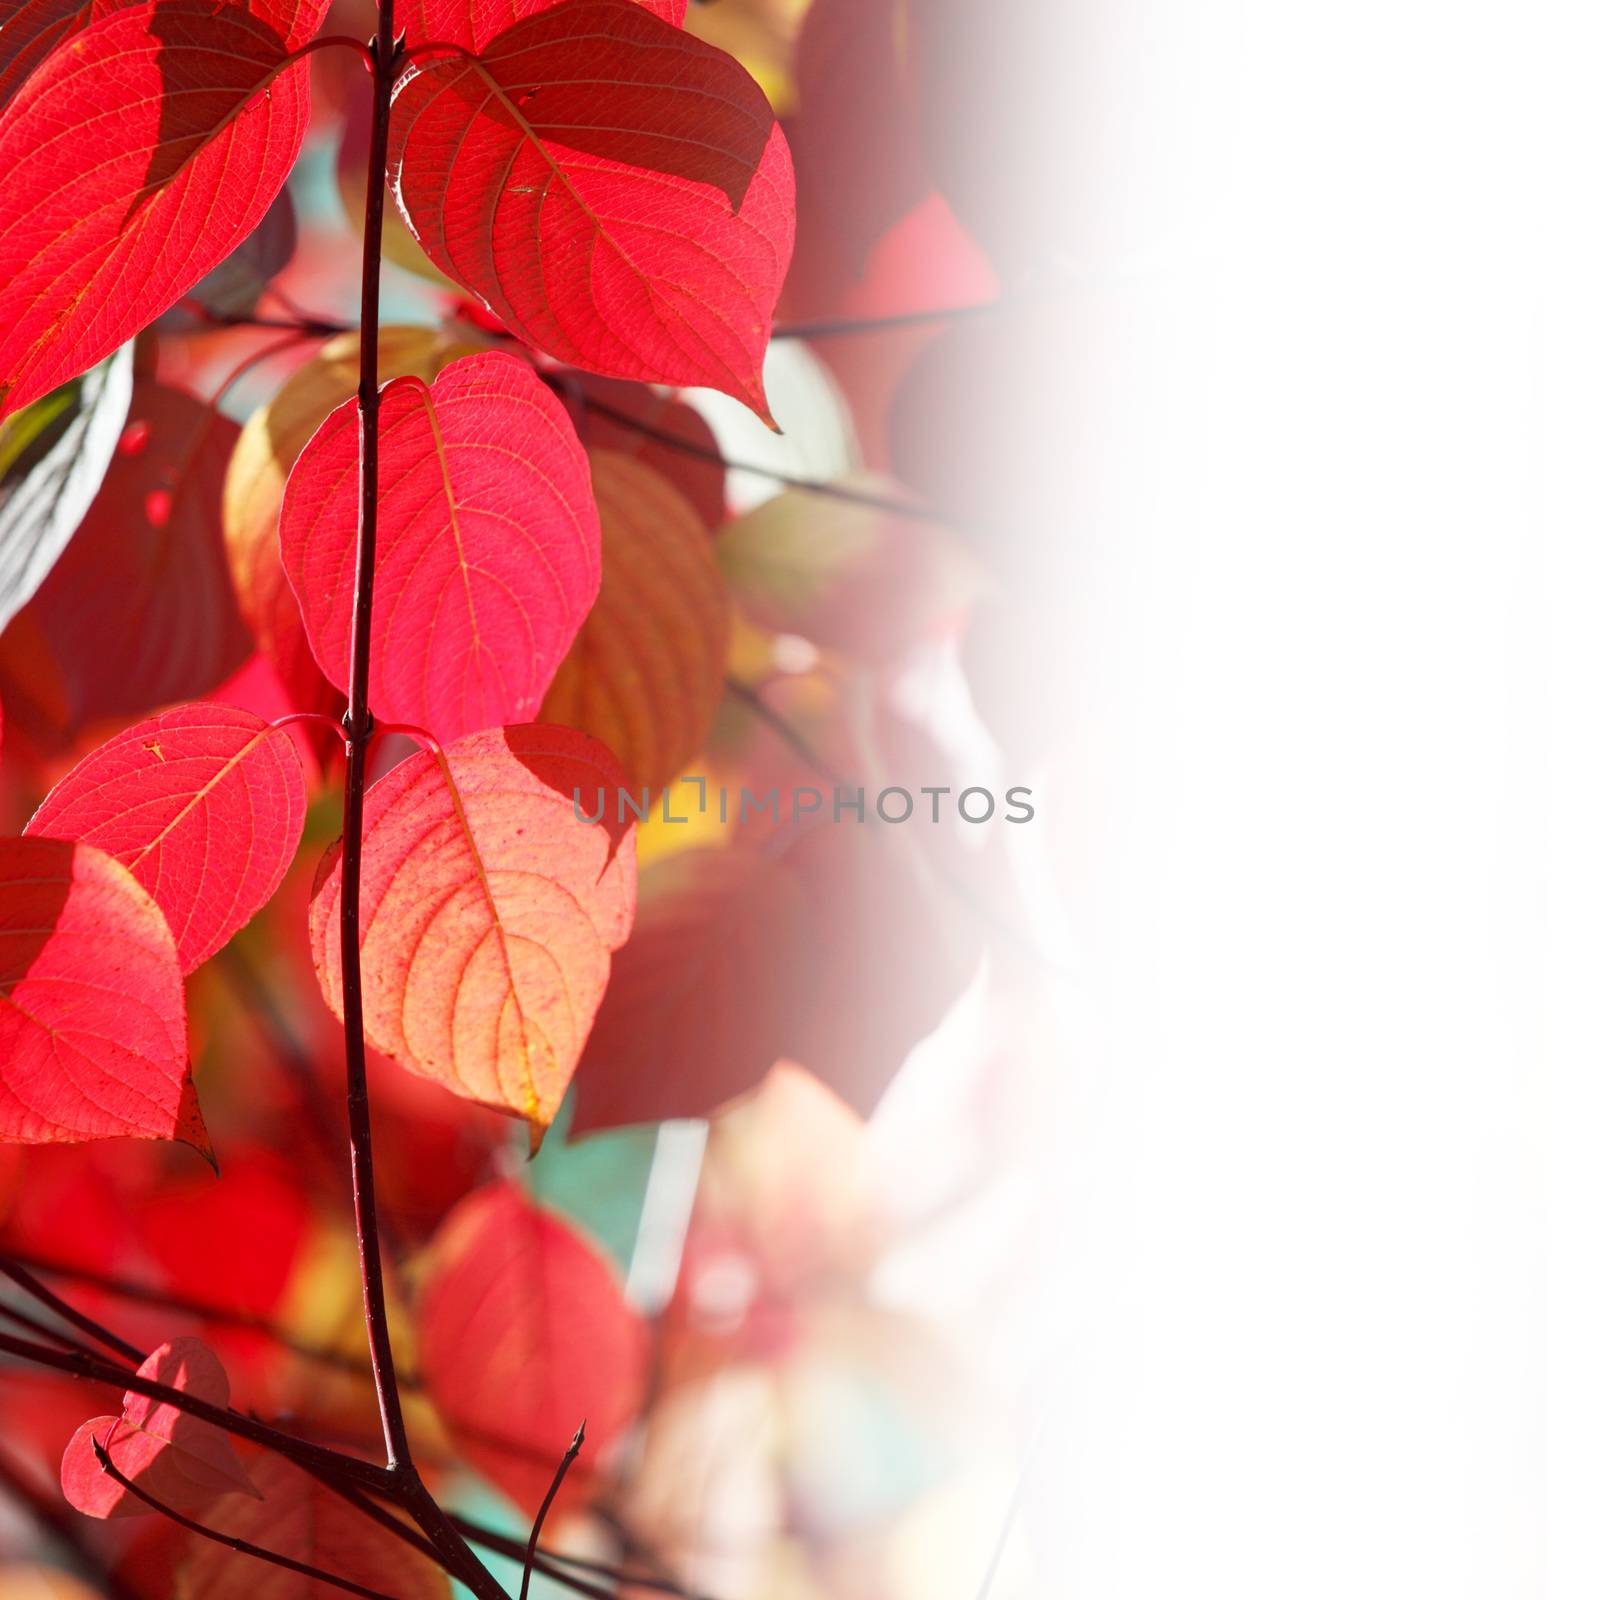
column 549, row 1562
column 384, row 1518
column 545, row 1504
column 42, row 1329
column 243, row 1546
column 84, row 1323
column 310, row 327
column 275, row 347
column 888, row 504
column 622, row 1575
column 1013, row 1507
column 748, row 695
column 206, row 1311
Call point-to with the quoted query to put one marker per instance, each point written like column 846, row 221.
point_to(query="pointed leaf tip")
column 574, row 118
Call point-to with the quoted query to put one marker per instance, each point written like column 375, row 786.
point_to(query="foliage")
column 488, row 572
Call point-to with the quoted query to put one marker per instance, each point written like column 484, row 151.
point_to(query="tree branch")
column 26, row 1281
column 890, row 505
column 204, row 1311
column 413, row 1496
column 358, row 731
column 42, row 1329
column 550, row 1562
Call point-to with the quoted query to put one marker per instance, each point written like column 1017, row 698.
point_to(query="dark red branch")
column 413, row 1496
column 358, row 731
column 41, row 1329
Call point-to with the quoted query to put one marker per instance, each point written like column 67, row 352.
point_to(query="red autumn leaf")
column 139, row 611
column 203, row 804
column 523, row 1333
column 644, row 675
column 616, row 191
column 830, row 954
column 298, row 1517
column 474, row 23
column 92, row 1038
column 705, row 996
column 234, row 287
column 488, row 544
column 252, row 497
column 182, row 119
column 32, row 29
column 181, row 1460
column 489, row 912
column 119, row 1209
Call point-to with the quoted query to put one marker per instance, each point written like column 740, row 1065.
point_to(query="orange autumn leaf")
column 489, row 912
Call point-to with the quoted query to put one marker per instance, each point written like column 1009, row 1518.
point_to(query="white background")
column 1325, row 1302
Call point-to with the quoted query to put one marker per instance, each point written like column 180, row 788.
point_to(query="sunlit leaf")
column 204, row 805
column 489, row 912
column 615, row 191
column 259, row 469
column 488, row 552
column 92, row 1027
column 178, row 1458
column 184, row 118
